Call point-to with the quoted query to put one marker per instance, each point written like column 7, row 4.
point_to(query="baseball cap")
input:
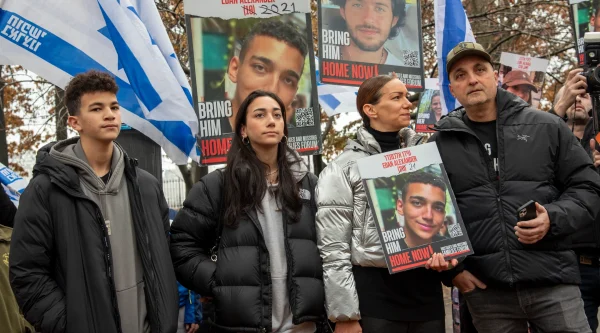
column 465, row 49
column 517, row 77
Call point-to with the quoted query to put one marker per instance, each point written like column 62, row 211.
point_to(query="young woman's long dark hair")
column 245, row 176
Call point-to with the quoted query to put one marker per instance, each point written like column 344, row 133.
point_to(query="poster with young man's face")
column 413, row 207
column 585, row 17
column 232, row 58
column 359, row 39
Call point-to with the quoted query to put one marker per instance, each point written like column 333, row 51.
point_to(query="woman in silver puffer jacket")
column 360, row 293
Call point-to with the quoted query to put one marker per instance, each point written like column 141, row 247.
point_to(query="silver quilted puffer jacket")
column 346, row 230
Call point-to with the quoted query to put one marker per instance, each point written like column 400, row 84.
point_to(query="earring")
column 246, row 140
column 284, row 139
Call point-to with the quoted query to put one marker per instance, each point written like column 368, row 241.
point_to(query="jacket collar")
column 364, row 142
column 507, row 106
column 66, row 175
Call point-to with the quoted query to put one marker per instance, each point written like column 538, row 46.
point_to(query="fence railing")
column 174, row 190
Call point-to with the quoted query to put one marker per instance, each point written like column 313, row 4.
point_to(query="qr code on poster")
column 454, row 230
column 411, row 58
column 305, row 117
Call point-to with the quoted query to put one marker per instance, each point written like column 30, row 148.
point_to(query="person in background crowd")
column 361, row 296
column 89, row 250
column 522, row 271
column 595, row 18
column 11, row 319
column 573, row 104
column 189, row 318
column 520, row 84
column 7, row 209
column 246, row 234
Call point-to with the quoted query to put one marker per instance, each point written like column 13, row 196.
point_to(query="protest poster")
column 430, row 107
column 359, row 39
column 231, row 58
column 413, row 206
column 584, row 18
column 231, row 9
column 523, row 76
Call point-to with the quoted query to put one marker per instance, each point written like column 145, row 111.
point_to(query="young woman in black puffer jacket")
column 246, row 236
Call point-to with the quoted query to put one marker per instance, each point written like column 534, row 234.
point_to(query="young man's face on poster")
column 423, row 207
column 369, row 22
column 268, row 64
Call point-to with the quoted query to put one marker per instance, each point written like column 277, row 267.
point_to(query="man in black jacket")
column 90, row 250
column 573, row 104
column 499, row 154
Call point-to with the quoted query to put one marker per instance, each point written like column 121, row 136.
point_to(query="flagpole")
column 3, row 145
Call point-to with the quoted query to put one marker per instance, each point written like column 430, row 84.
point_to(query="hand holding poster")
column 523, row 76
column 359, row 39
column 232, row 58
column 430, row 107
column 415, row 210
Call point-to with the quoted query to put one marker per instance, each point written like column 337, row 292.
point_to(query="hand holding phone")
column 527, row 211
column 533, row 224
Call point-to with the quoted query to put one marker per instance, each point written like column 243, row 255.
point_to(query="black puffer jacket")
column 586, row 239
column 539, row 159
column 61, row 260
column 240, row 280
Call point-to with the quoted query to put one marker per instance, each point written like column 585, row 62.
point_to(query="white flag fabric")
column 335, row 99
column 451, row 27
column 61, row 38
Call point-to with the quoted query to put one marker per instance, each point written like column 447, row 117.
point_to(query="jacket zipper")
column 501, row 211
column 261, row 329
column 151, row 275
column 107, row 252
column 490, row 167
column 289, row 263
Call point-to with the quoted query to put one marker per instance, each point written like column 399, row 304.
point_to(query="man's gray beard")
column 365, row 47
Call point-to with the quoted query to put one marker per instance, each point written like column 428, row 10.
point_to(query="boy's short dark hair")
column 421, row 177
column 88, row 82
column 281, row 31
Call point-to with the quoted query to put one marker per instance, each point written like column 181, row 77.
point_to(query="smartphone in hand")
column 527, row 211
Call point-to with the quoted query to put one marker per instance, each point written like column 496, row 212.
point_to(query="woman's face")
column 264, row 122
column 393, row 108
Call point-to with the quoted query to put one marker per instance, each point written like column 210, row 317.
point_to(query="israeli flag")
column 335, row 99
column 451, row 27
column 61, row 38
column 12, row 183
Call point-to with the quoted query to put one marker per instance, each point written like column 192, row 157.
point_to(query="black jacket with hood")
column 61, row 261
column 240, row 280
column 538, row 159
